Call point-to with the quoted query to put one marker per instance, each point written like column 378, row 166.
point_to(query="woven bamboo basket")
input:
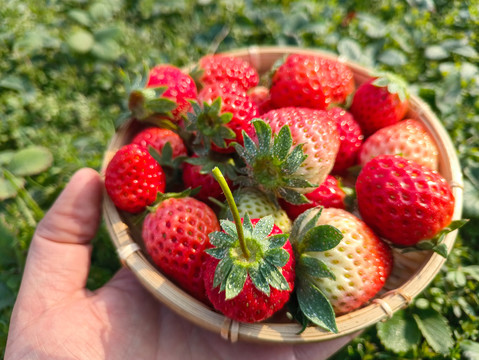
column 411, row 274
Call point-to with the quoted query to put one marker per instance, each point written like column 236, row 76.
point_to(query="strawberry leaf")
column 400, row 333
column 314, row 267
column 278, row 257
column 221, row 273
column 320, row 238
column 292, row 196
column 217, row 252
column 283, row 143
column 229, row 227
column 294, row 160
column 221, row 239
column 235, row 281
column 277, row 241
column 263, row 228
column 273, row 275
column 315, row 306
column 305, row 222
column 435, row 328
column 259, row 280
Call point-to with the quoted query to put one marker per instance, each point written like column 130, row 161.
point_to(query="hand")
column 56, row 317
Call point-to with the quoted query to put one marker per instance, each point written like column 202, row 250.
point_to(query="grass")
column 62, row 88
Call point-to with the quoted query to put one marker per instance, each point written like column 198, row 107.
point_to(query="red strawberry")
column 133, row 178
column 158, row 137
column 236, row 102
column 196, row 172
column 403, row 201
column 407, row 138
column 351, row 137
column 180, row 86
column 379, row 102
column 228, row 70
column 249, row 274
column 356, row 269
column 311, row 81
column 260, row 96
column 175, row 235
column 318, row 135
column 328, row 194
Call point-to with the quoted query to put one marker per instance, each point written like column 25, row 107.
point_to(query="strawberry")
column 228, row 70
column 407, row 138
column 379, row 102
column 158, row 137
column 197, row 172
column 311, row 81
column 348, row 274
column 257, row 205
column 351, row 137
column 249, row 274
column 403, row 201
column 236, row 102
column 328, row 194
column 133, row 178
column 180, row 87
column 175, row 234
column 294, row 153
column 260, row 96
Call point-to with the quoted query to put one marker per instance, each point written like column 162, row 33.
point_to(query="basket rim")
column 200, row 314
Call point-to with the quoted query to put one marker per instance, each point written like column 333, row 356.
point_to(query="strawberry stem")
column 234, row 210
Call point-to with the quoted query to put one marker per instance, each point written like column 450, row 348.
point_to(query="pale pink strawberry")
column 407, row 138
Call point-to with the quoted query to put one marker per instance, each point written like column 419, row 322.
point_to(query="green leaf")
column 80, row 17
column 436, row 52
column 221, row 239
column 441, row 249
column 30, row 161
column 81, row 41
column 304, row 222
column 314, row 267
column 263, row 133
column 350, row 49
column 435, row 328
column 9, row 190
column 106, row 49
column 472, row 271
column 470, row 350
column 229, row 227
column 277, row 241
column 393, row 57
column 400, row 333
column 274, row 276
column 263, row 227
column 222, row 271
column 217, row 252
column 292, row 196
column 277, row 257
column 315, row 306
column 259, row 281
column 282, row 143
column 235, row 281
column 294, row 160
column 320, row 238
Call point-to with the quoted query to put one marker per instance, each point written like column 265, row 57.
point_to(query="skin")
column 56, row 317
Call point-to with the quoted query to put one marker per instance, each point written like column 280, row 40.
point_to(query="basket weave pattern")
column 411, row 274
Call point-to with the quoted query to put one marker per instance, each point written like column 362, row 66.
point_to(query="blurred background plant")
column 61, row 90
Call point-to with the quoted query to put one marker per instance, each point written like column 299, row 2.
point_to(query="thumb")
column 58, row 261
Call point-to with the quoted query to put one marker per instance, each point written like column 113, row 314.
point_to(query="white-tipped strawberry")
column 292, row 156
column 257, row 205
column 318, row 135
column 354, row 270
column 407, row 138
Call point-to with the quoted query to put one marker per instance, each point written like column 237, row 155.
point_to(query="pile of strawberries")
column 241, row 185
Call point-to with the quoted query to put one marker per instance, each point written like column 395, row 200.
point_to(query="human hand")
column 56, row 317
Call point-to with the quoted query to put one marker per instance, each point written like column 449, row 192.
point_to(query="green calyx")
column 437, row 244
column 272, row 164
column 311, row 305
column 394, row 83
column 209, row 125
column 246, row 249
